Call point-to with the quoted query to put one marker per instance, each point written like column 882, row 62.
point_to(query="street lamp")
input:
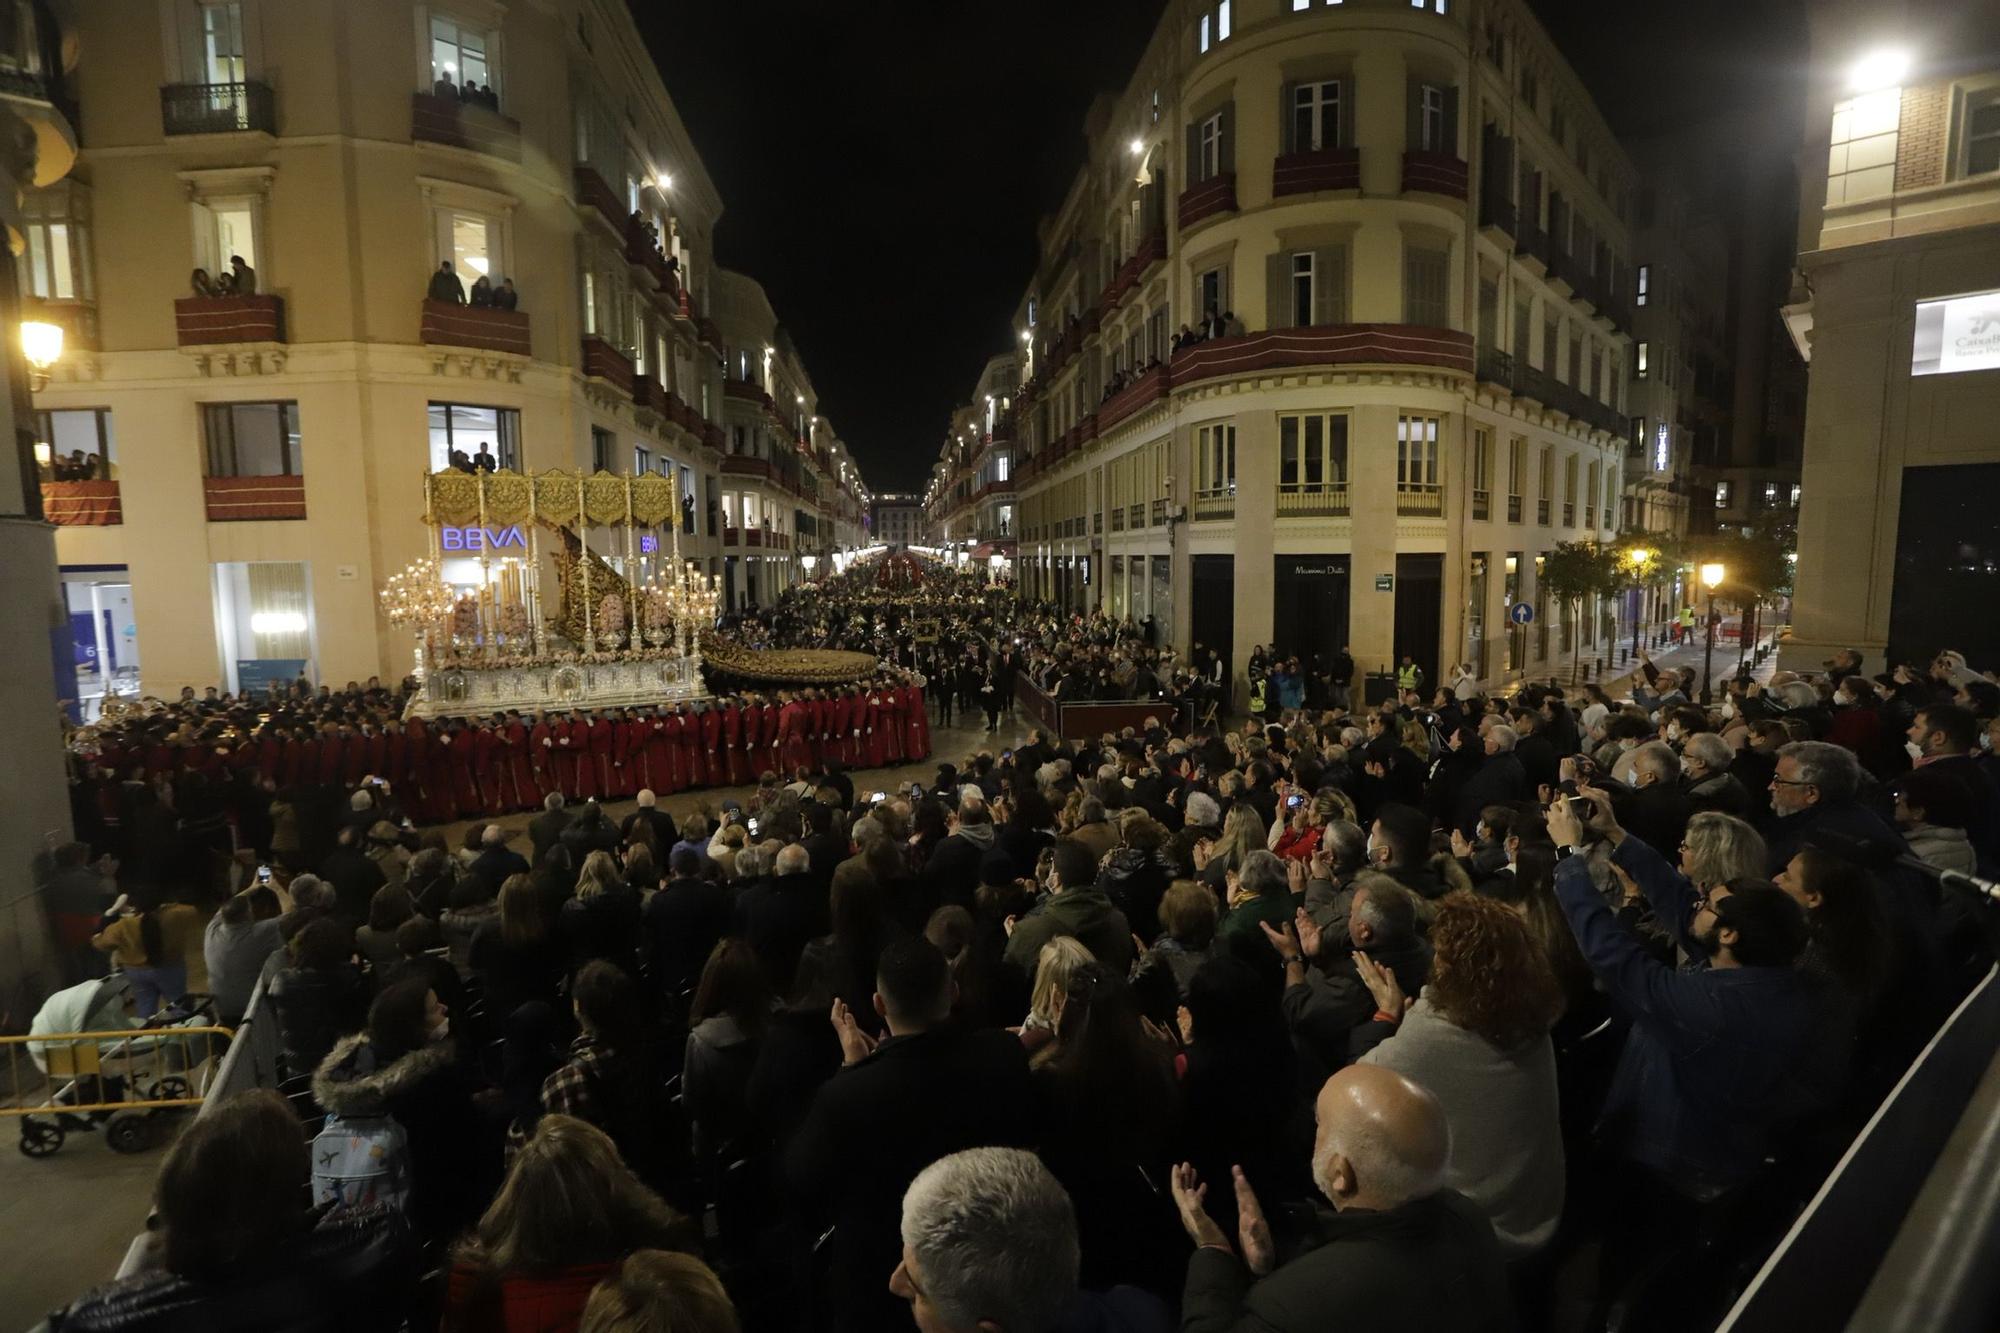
column 1711, row 578
column 1638, row 557
column 41, row 348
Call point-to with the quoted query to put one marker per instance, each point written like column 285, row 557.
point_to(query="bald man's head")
column 1382, row 1140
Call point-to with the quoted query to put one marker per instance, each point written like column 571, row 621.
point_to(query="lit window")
column 1645, row 283
column 1795, row 495
column 1435, row 6
column 471, row 241
column 1203, row 39
column 1433, row 119
column 460, row 52
column 1982, row 133
column 1641, row 354
column 222, row 42
column 55, row 265
column 1722, row 495
column 1315, row 117
column 1861, row 151
column 1222, row 21
column 1209, row 147
column 1663, row 449
column 468, row 429
column 1416, row 453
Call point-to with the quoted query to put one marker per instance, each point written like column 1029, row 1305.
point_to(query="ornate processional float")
column 485, row 640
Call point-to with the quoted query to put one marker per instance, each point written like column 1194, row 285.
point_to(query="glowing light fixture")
column 1712, row 576
column 277, row 622
column 41, row 347
column 666, row 180
column 1885, row 68
column 1138, row 147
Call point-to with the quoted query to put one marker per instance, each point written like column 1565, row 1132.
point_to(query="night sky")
column 882, row 166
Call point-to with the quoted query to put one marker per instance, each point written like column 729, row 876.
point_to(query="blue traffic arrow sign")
column 1521, row 613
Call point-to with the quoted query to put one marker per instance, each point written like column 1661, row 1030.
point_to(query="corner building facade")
column 1415, row 223
column 255, row 461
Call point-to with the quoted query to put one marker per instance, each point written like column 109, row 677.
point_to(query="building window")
column 1434, row 116
column 1312, row 454
column 461, row 53
column 1435, row 6
column 1426, row 286
column 1590, row 496
column 222, row 42
column 603, row 448
column 252, row 439
column 460, row 432
column 1213, row 27
column 1212, row 291
column 1416, row 454
column 263, row 622
column 1644, row 285
column 1545, row 493
column 1530, row 89
column 1215, row 471
column 80, row 444
column 1517, row 475
column 1794, row 497
column 1641, row 358
column 1156, row 110
column 1496, row 45
column 473, row 243
column 1302, row 289
column 55, row 265
column 1558, row 124
column 1569, row 491
column 1979, row 133
column 1861, row 153
column 1663, row 448
column 1316, row 117
column 1208, row 148
column 1722, row 494
column 1482, row 472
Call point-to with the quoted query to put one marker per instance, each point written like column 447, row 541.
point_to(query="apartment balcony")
column 1310, row 173
column 1324, row 345
column 1215, row 503
column 448, row 324
column 82, row 504
column 209, row 321
column 1150, row 387
column 1420, row 501
column 1312, row 499
column 648, row 393
column 217, row 108
column 456, row 124
column 642, row 250
column 1498, row 367
column 593, row 191
column 1207, row 199
column 1434, row 173
column 253, row 499
column 1531, row 242
column 602, row 361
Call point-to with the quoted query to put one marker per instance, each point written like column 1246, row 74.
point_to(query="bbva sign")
column 481, row 539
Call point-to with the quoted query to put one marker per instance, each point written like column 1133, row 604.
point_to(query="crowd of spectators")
column 1435, row 1015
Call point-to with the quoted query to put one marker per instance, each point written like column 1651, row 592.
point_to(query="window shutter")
column 1451, row 121
column 1278, row 291
column 1227, row 154
column 1413, row 116
column 1288, row 138
column 1193, row 154
column 1330, row 285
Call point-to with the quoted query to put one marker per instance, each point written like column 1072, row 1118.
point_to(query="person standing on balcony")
column 444, row 87
column 242, row 278
column 446, row 287
column 482, row 292
column 505, row 297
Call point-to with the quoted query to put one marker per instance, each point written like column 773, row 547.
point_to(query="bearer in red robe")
column 916, row 724
column 711, row 745
column 631, row 753
column 603, row 738
column 689, row 739
column 541, row 756
column 794, row 753
column 735, row 760
column 483, row 759
column 662, row 766
column 527, row 793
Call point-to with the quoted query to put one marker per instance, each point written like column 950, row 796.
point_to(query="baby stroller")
column 126, row 1086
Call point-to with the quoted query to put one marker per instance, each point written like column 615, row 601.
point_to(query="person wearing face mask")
column 406, row 1066
column 1857, row 724
column 1756, row 760
column 1944, row 739
column 1658, row 808
column 1705, row 776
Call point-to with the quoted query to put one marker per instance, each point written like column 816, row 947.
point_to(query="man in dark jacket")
column 951, row 876
column 1717, row 1056
column 781, row 914
column 1325, row 999
column 1658, row 809
column 1075, row 906
column 1706, row 778
column 658, row 821
column 1534, row 750
column 1947, row 741
column 1500, row 780
column 1380, row 1260
column 876, row 1123
column 546, row 829
column 496, row 860
column 683, row 922
column 590, row 832
column 353, row 875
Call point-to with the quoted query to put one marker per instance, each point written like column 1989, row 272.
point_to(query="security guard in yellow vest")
column 1409, row 676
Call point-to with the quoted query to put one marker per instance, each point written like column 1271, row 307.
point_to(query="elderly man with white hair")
column 1499, row 780
column 1399, row 1251
column 989, row 1243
